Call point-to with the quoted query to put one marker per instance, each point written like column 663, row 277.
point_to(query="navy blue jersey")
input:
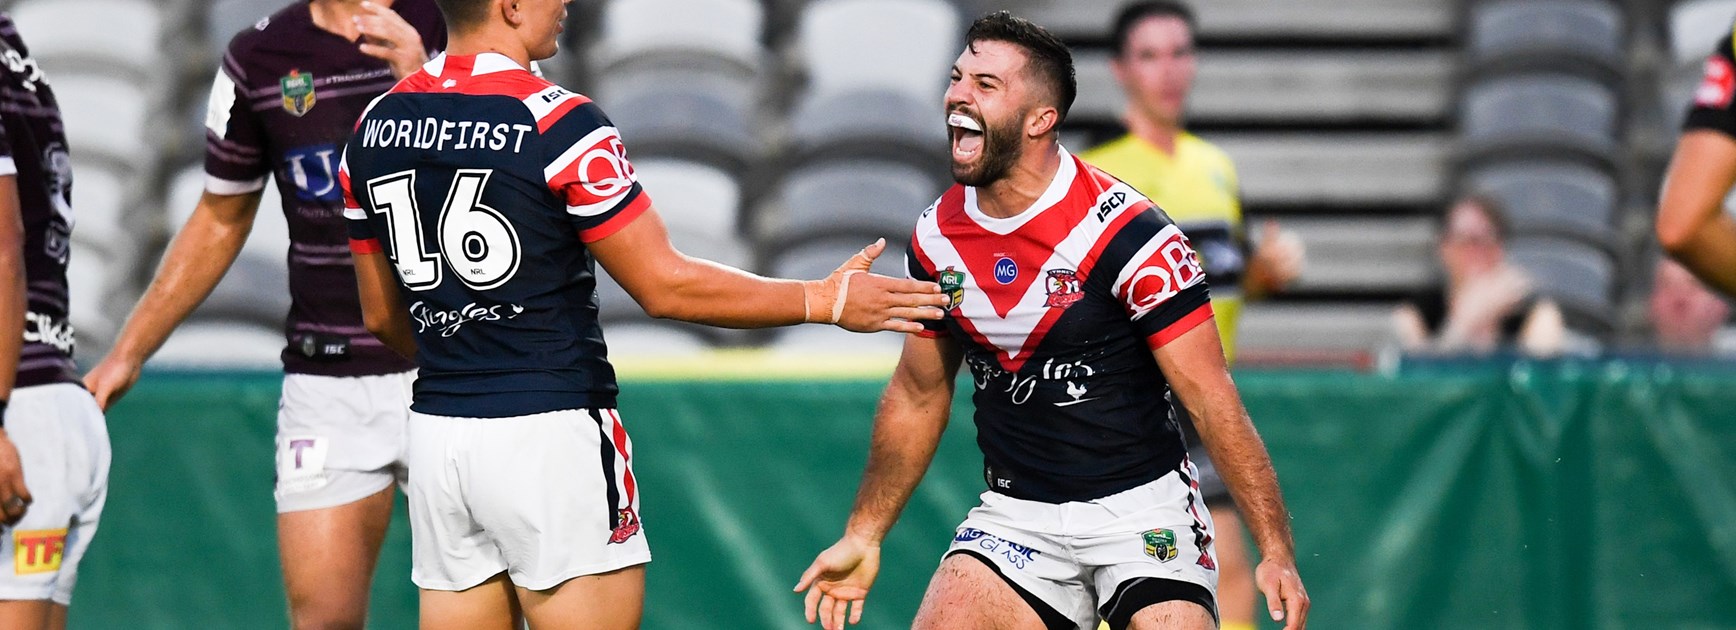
column 482, row 183
column 1058, row 311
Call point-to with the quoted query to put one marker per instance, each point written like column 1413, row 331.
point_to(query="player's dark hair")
column 462, row 14
column 1133, row 14
column 1050, row 59
column 1491, row 208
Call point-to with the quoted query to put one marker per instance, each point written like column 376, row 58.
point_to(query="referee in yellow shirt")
column 1195, row 183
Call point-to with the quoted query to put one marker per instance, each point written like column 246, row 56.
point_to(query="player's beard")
column 999, row 153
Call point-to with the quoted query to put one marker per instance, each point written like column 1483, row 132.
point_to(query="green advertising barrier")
column 1524, row 496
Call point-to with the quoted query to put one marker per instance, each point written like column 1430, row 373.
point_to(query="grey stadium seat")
column 726, row 31
column 1555, row 198
column 1532, row 113
column 93, row 36
column 99, row 201
column 91, row 281
column 900, row 45
column 687, row 116
column 878, row 124
column 1548, row 30
column 849, row 198
column 105, row 117
column 692, row 196
column 1581, row 278
column 817, row 258
column 1696, row 26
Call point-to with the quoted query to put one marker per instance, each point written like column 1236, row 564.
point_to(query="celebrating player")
column 479, row 195
column 1079, row 308
column 283, row 103
column 1692, row 223
column 1195, row 183
column 54, row 437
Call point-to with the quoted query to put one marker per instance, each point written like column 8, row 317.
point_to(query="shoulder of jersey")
column 547, row 102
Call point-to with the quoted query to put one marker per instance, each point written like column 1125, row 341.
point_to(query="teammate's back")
column 482, row 182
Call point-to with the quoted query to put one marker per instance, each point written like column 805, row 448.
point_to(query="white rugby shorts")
column 545, row 498
column 340, row 439
column 1079, row 558
column 63, row 443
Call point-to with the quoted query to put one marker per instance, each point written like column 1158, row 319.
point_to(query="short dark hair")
column 461, row 14
column 1050, row 59
column 1133, row 14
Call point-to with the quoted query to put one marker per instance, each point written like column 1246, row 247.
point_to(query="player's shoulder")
column 950, row 203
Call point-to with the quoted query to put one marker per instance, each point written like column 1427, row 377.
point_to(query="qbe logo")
column 1006, row 270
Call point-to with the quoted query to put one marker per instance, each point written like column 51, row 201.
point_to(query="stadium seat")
column 1349, row 169
column 1552, row 198
column 100, row 198
column 255, row 289
column 225, row 18
column 1545, row 32
column 1541, row 113
column 817, row 258
column 901, row 45
column 1320, row 20
column 865, row 199
column 91, row 279
column 121, row 37
column 1697, row 26
column 1580, row 278
column 217, row 343
column 105, row 117
column 686, row 116
column 684, row 32
column 1363, row 255
column 876, row 124
column 652, row 339
column 692, row 196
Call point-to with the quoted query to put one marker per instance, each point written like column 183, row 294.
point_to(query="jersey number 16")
column 476, row 241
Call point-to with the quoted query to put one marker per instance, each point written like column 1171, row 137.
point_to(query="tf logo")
column 1064, row 288
column 952, row 284
column 298, row 94
column 626, row 524
column 1160, row 544
column 37, row 550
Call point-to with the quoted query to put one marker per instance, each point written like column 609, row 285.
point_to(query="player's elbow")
column 661, row 307
column 1677, row 237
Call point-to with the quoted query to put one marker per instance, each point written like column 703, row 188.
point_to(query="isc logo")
column 37, row 550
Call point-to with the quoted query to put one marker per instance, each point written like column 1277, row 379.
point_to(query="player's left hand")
column 1278, row 258
column 1285, row 597
column 14, row 497
column 859, row 301
column 387, row 37
column 838, row 581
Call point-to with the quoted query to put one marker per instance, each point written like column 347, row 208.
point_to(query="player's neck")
column 339, row 16
column 499, row 39
column 1160, row 135
column 1029, row 178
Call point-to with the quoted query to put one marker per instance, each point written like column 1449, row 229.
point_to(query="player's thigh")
column 491, row 605
column 966, row 593
column 1173, row 615
column 25, row 614
column 57, row 616
column 608, row 601
column 328, row 557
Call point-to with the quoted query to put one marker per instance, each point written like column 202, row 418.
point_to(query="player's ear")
column 509, row 10
column 1042, row 121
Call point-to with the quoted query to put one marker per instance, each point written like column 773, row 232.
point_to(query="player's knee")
column 317, row 613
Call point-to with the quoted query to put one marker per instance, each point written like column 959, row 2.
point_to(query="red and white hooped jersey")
column 1058, row 311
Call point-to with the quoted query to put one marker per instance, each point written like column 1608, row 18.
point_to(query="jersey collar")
column 469, row 65
column 1057, row 191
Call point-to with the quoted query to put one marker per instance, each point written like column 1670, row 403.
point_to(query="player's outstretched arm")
column 383, row 310
column 672, row 285
column 14, row 496
column 1692, row 224
column 907, row 428
column 196, row 261
column 1194, row 365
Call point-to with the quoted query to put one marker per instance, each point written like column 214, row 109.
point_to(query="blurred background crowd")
column 1463, row 176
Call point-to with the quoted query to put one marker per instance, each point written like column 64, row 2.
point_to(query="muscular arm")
column 382, row 307
column 671, row 285
column 907, row 428
column 1692, row 224
column 196, row 261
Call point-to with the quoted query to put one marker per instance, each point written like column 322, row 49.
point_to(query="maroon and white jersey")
column 33, row 149
column 1058, row 310
column 282, row 106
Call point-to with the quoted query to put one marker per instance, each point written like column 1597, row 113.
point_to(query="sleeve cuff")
column 7, row 166
column 365, row 246
column 931, row 334
column 616, row 223
column 1181, row 326
column 219, row 186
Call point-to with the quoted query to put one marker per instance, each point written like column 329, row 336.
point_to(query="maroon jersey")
column 283, row 105
column 33, row 149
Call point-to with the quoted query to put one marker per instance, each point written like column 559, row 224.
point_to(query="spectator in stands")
column 1195, row 183
column 1484, row 304
column 1685, row 315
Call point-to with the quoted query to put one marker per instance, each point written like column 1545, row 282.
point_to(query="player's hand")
column 1285, row 597
column 838, row 581
column 1278, row 258
column 14, row 497
column 859, row 301
column 110, row 379
column 387, row 37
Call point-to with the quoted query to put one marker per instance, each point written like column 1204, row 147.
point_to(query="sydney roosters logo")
column 1064, row 288
column 626, row 525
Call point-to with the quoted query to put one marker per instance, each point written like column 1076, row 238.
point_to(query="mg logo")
column 1006, row 270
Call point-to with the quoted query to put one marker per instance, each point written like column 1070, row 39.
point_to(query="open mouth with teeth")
column 967, row 136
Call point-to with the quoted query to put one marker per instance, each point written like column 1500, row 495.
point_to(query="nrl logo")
column 952, row 284
column 298, row 94
column 1160, row 544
